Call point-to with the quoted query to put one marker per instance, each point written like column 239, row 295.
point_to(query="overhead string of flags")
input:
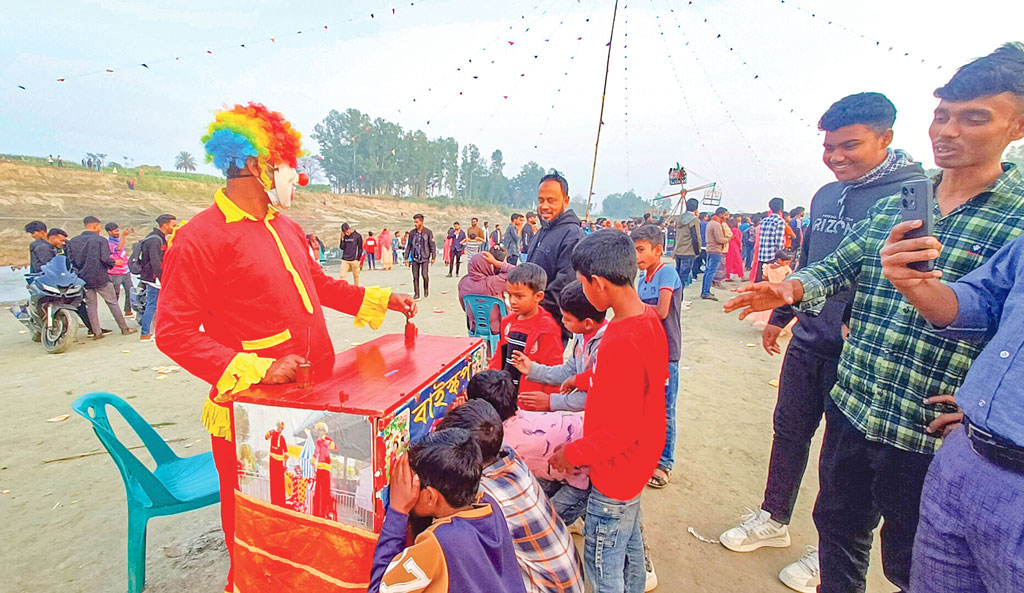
column 545, row 51
column 714, row 89
column 148, row 64
column 504, row 39
column 744, row 62
column 701, row 139
column 514, row 46
column 563, row 81
column 879, row 44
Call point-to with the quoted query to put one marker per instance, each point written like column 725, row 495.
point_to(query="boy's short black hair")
column 556, row 176
column 530, row 275
column 90, row 220
column 497, row 389
column 450, row 462
column 56, row 231
column 110, row 226
column 607, row 253
column 345, row 226
column 574, row 302
column 1002, row 71
column 164, row 219
column 650, row 233
column 776, row 205
column 34, row 227
column 873, row 110
column 498, row 252
column 483, row 423
column 784, row 255
column 692, row 204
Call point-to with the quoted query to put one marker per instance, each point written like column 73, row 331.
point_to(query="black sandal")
column 658, row 481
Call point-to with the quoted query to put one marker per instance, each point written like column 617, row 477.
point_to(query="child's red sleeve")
column 497, row 359
column 549, row 349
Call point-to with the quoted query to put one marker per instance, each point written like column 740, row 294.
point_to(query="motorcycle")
column 51, row 315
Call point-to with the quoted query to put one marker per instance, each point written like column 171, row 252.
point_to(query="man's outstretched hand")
column 765, row 296
column 403, row 303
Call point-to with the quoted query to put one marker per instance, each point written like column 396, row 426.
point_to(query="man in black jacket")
column 421, row 251
column 552, row 246
column 89, row 256
column 152, row 249
column 39, row 251
column 858, row 132
column 351, row 247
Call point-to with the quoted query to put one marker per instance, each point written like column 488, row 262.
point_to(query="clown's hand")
column 403, row 303
column 283, row 370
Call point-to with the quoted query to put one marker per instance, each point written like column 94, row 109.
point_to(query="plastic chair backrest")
column 479, row 308
column 93, row 407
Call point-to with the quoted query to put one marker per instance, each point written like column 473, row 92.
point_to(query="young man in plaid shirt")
column 772, row 237
column 896, row 372
column 544, row 548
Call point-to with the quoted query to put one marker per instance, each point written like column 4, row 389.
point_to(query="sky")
column 732, row 90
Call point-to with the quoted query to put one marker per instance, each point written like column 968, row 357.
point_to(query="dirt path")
column 64, row 523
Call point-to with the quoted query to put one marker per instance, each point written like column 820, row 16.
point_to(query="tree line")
column 374, row 156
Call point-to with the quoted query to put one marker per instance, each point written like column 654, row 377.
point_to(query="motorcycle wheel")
column 58, row 337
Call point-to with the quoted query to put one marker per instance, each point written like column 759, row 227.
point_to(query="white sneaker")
column 652, row 578
column 803, row 575
column 756, row 531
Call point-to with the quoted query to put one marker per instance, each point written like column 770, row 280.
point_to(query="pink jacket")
column 534, row 435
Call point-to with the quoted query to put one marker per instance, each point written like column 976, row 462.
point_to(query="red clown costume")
column 278, row 457
column 324, row 505
column 239, row 292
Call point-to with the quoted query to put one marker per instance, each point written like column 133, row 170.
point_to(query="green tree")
column 523, row 187
column 185, row 162
column 623, row 206
column 471, row 172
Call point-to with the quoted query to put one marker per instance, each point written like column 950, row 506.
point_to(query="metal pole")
column 600, row 123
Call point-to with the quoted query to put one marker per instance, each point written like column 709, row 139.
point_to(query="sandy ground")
column 64, row 522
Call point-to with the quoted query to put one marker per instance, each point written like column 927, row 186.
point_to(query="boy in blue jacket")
column 467, row 549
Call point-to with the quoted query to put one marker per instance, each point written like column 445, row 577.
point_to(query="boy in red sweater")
column 624, row 417
column 529, row 328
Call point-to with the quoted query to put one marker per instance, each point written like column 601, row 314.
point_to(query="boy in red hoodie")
column 529, row 328
column 624, row 417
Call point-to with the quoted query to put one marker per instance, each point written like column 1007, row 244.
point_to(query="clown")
column 278, row 457
column 324, row 505
column 241, row 298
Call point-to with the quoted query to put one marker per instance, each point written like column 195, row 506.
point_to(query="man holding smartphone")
column 858, row 134
column 882, row 423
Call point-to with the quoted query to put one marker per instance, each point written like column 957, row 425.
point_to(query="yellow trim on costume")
column 268, row 342
column 244, row 369
column 217, row 419
column 323, row 466
column 288, row 266
column 230, row 210
column 278, row 456
column 175, row 231
column 374, row 307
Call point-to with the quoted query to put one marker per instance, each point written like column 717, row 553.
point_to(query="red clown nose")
column 303, row 179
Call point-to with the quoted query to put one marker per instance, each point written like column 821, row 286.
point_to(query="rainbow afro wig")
column 251, row 131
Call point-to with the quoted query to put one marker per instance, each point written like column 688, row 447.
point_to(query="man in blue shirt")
column 971, row 532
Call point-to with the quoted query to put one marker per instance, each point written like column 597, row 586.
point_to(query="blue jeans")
column 152, row 293
column 684, row 267
column 668, row 456
column 370, row 259
column 710, row 269
column 613, row 548
column 570, row 502
column 972, row 515
column 747, row 254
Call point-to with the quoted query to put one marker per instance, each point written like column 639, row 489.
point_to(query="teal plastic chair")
column 478, row 307
column 177, row 485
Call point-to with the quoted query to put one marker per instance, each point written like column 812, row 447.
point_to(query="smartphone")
column 917, row 202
